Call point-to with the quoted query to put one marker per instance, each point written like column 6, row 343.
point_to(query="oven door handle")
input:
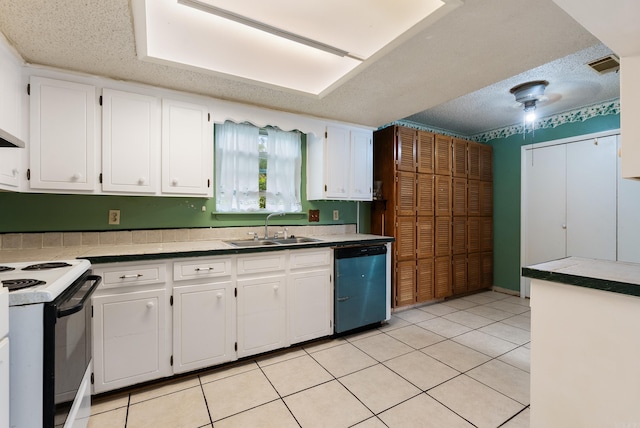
column 82, row 297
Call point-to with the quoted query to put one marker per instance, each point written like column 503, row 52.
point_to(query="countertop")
column 136, row 252
column 616, row 277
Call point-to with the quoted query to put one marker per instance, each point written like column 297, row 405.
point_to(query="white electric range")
column 50, row 338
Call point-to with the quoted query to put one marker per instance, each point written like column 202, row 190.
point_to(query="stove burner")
column 6, row 269
column 18, row 284
column 48, row 265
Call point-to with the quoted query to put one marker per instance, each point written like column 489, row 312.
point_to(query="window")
column 257, row 169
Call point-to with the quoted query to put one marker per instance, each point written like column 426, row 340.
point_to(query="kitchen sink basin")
column 271, row 241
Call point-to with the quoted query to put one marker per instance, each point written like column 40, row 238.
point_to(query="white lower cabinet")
column 204, row 315
column 130, row 339
column 261, row 314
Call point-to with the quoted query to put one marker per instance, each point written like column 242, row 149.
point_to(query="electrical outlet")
column 336, row 215
column 314, row 216
column 114, row 216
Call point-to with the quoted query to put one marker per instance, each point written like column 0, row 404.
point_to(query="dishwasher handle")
column 360, row 251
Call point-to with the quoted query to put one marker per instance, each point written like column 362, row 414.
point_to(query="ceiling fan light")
column 529, row 91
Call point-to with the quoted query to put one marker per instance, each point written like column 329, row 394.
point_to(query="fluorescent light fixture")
column 302, row 46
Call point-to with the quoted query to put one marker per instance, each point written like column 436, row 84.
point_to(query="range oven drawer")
column 131, row 274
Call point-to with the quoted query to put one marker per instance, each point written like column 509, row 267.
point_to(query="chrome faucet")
column 266, row 224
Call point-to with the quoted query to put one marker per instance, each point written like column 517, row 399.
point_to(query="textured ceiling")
column 473, row 47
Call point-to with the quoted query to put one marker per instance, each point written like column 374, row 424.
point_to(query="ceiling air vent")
column 606, row 64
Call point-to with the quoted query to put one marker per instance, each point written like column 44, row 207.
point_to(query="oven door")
column 67, row 349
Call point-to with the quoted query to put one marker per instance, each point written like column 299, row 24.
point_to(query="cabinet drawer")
column 264, row 262
column 309, row 258
column 118, row 276
column 201, row 268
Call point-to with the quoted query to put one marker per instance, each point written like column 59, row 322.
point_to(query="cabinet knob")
column 76, row 176
column 150, row 305
column 174, row 182
column 275, row 287
column 564, row 226
column 142, row 180
column 14, row 172
column 219, row 295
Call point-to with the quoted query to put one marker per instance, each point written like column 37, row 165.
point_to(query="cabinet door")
column 361, row 187
column 459, row 274
column 424, row 152
column 473, row 160
column 474, row 234
column 473, row 197
column 486, row 162
column 459, row 196
column 442, row 240
column 10, row 168
column 405, row 283
column 337, row 162
column 309, row 307
column 62, row 146
column 187, row 149
column 424, row 285
column 424, row 238
column 458, row 157
column 424, row 194
column 486, row 198
column 130, row 142
column 486, row 270
column 486, row 234
column 442, row 155
column 443, row 196
column 459, row 235
column 406, row 193
column 4, row 381
column 406, row 149
column 442, row 277
column 129, row 339
column 261, row 307
column 474, row 271
column 405, row 234
column 203, row 325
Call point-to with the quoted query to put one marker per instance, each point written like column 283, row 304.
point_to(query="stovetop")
column 53, row 278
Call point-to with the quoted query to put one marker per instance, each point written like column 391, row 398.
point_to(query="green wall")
column 506, row 191
column 32, row 212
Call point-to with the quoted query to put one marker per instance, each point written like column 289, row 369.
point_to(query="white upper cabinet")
column 340, row 167
column 130, row 142
column 10, row 168
column 187, row 149
column 62, row 144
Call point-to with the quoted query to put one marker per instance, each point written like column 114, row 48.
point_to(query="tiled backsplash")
column 22, row 241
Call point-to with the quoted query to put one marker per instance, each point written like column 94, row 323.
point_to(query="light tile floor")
column 460, row 363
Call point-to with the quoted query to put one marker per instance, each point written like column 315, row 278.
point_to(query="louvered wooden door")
column 405, row 149
column 406, row 193
column 425, row 237
column 424, row 152
column 459, row 158
column 425, row 289
column 459, row 274
column 473, row 197
column 473, row 160
column 405, row 283
column 486, row 162
column 424, row 194
column 486, row 234
column 459, row 196
column 474, row 271
column 473, row 234
column 486, row 270
column 442, row 277
column 442, row 237
column 442, row 195
column 459, row 235
column 442, row 154
column 405, row 234
column 486, row 198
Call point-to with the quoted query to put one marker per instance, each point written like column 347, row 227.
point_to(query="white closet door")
column 545, row 207
column 628, row 225
column 591, row 198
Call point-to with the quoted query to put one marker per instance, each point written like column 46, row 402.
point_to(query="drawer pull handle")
column 198, row 269
column 219, row 295
column 137, row 275
column 150, row 305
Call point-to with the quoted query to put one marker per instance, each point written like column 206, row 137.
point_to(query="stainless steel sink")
column 271, row 241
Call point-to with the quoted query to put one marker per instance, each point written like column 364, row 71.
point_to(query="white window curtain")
column 237, row 166
column 283, row 171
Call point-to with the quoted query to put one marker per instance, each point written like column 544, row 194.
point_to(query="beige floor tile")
column 485, row 343
column 415, row 336
column 362, row 335
column 421, row 370
column 481, row 298
column 238, row 393
column 519, row 357
column 273, row 414
column 394, row 323
column 343, row 360
column 468, row 319
column 279, row 356
column 509, row 380
column 294, row 375
column 111, row 419
column 323, row 344
column 521, row 321
column 489, row 312
column 444, row 327
column 163, row 388
column 460, row 304
column 327, row 405
column 456, row 355
column 382, row 347
column 373, row 422
column 514, row 308
column 475, row 402
column 414, row 315
column 424, row 412
column 438, row 309
column 518, row 301
column 183, row 409
column 521, row 420
column 228, row 371
column 109, row 402
column 379, row 388
column 508, row 332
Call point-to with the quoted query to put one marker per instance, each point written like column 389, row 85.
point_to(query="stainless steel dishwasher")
column 360, row 286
